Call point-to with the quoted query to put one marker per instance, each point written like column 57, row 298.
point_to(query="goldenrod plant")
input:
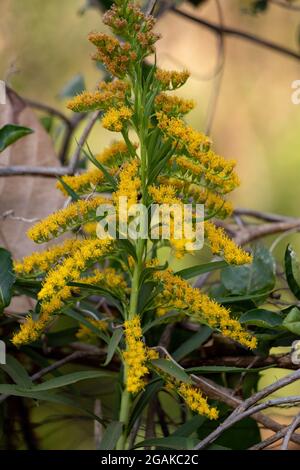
column 159, row 159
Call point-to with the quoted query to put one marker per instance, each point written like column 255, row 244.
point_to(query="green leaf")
column 113, row 344
column 292, row 321
column 159, row 321
column 188, row 428
column 111, row 436
column 17, row 372
column 261, row 317
column 68, row 189
column 292, row 271
column 143, row 400
column 170, row 442
column 15, row 390
column 10, row 133
column 81, row 319
column 192, row 343
column 222, row 369
column 101, row 167
column 193, row 271
column 68, row 379
column 251, row 278
column 170, row 368
column 239, row 298
column 75, row 86
column 7, row 278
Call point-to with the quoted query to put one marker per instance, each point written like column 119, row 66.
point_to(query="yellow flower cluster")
column 108, row 95
column 222, row 245
column 176, row 129
column 108, row 278
column 115, row 56
column 82, row 184
column 55, row 290
column 129, row 183
column 114, row 118
column 196, row 401
column 171, row 79
column 74, row 215
column 214, row 203
column 55, row 284
column 214, row 176
column 137, row 27
column 164, row 194
column 112, row 157
column 135, row 355
column 178, row 294
column 86, row 335
column 30, row 330
column 40, row 262
column 173, row 105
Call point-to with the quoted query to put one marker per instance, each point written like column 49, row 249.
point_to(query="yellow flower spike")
column 171, row 79
column 135, row 356
column 177, row 293
column 114, row 118
column 77, row 213
column 42, row 261
column 55, row 291
column 221, row 244
column 164, row 194
column 129, row 183
column 196, row 401
column 173, row 105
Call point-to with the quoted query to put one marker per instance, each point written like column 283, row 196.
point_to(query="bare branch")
column 247, row 408
column 75, row 158
column 290, row 429
column 286, row 5
column 44, row 171
column 238, row 33
column 49, row 109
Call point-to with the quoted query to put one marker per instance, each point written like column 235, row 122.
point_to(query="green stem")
column 141, row 248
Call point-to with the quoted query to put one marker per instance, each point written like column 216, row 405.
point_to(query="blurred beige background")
column 43, row 45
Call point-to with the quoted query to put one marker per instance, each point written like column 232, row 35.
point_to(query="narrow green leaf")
column 261, row 317
column 159, row 321
column 292, row 271
column 74, row 377
column 82, row 319
column 143, row 400
column 292, row 321
column 101, row 167
column 111, row 436
column 7, row 278
column 170, row 368
column 16, row 371
column 68, row 189
column 223, row 369
column 103, row 292
column 113, row 344
column 15, row 390
column 127, row 246
column 10, row 133
column 192, row 343
column 194, row 271
column 170, row 442
column 188, row 428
